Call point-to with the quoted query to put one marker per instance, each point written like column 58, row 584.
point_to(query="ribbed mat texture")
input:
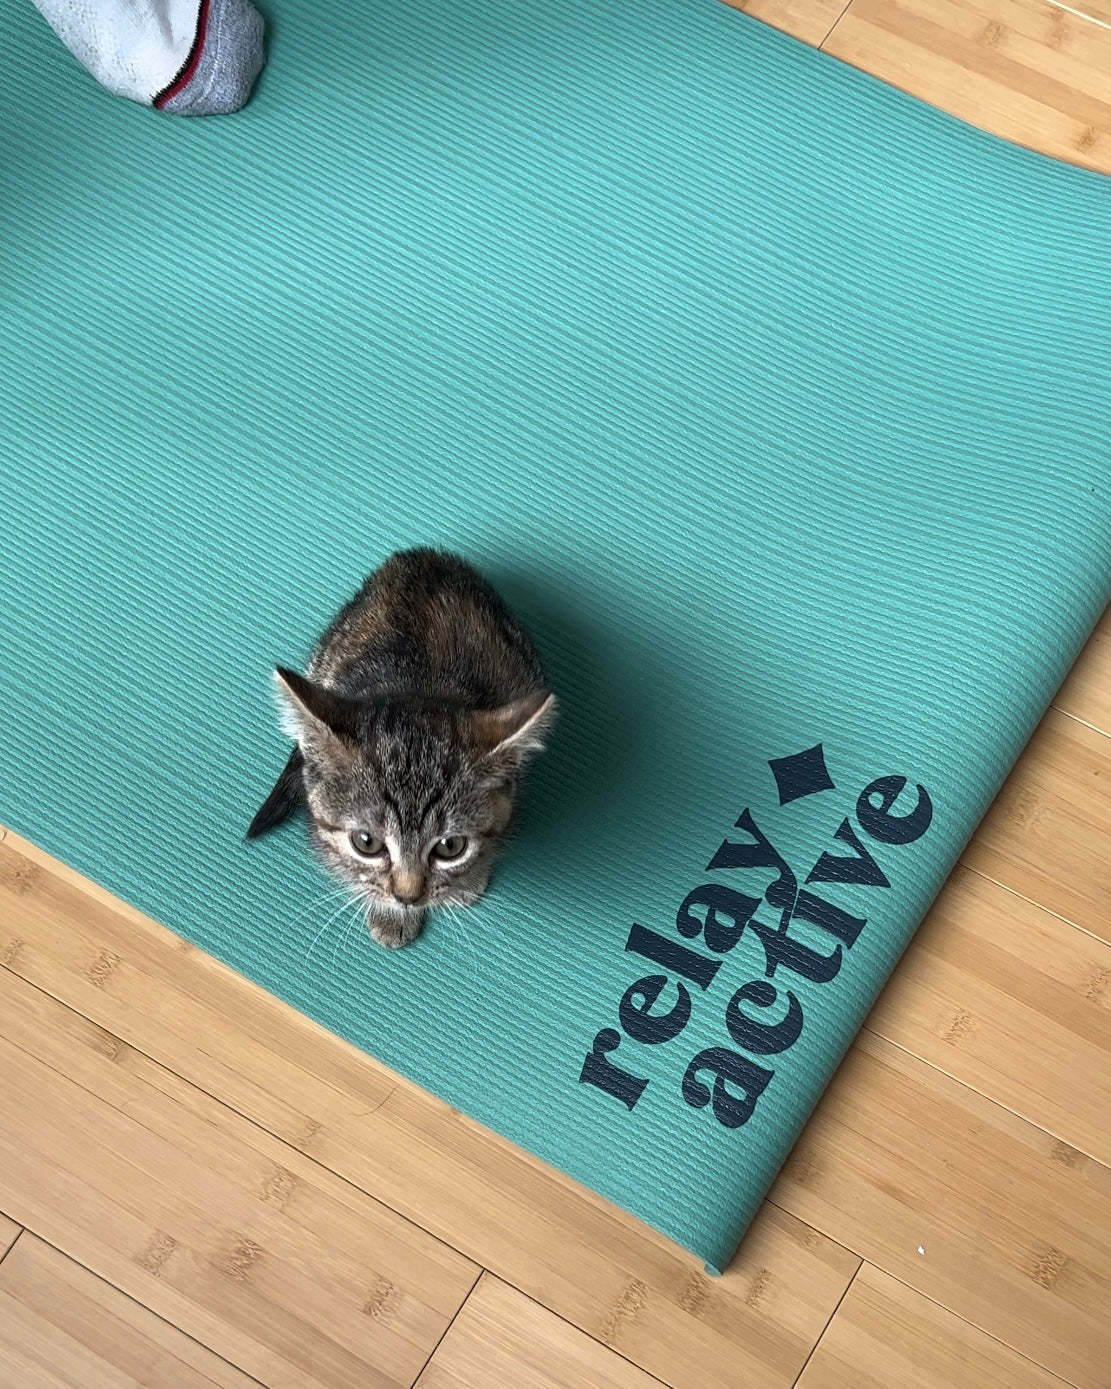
column 777, row 403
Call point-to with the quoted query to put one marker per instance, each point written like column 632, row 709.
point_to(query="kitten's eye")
column 455, row 846
column 366, row 845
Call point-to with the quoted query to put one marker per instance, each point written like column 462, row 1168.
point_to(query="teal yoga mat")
column 779, row 405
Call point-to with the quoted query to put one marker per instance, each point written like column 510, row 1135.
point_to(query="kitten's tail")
column 287, row 795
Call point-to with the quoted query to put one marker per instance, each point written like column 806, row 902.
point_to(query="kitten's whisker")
column 358, row 918
column 340, row 931
column 329, row 896
column 344, row 934
column 455, row 917
column 311, row 906
column 323, row 928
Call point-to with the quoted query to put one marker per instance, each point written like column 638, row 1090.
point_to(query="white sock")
column 188, row 57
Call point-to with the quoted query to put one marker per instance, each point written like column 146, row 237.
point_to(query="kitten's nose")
column 407, row 887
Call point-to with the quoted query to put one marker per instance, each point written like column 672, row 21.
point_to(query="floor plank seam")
column 998, row 1104
column 4, row 1253
column 224, row 1104
column 1033, row 902
column 1103, row 732
column 1079, row 14
column 480, row 1273
column 149, row 1310
column 829, row 1323
column 1071, row 1383
column 897, row 80
column 579, row 1330
column 150, row 1055
column 72, row 1080
column 154, row 1043
column 829, row 32
column 180, row 1075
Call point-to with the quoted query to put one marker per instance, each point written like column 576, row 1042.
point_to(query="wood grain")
column 1023, row 69
column 502, row 1337
column 1047, row 835
column 1011, row 1223
column 238, row 1239
column 619, row 1282
column 546, row 1235
column 1012, row 1001
column 61, row 1327
column 886, row 1336
column 1086, row 693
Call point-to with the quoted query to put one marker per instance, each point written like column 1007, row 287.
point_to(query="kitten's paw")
column 393, row 932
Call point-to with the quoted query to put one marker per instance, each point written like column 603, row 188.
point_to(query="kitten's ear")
column 320, row 720
column 515, row 730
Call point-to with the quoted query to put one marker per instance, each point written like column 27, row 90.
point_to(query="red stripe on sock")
column 185, row 75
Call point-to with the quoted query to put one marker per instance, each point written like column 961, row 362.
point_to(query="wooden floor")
column 200, row 1187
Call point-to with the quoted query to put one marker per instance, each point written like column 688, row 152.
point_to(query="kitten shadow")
column 599, row 761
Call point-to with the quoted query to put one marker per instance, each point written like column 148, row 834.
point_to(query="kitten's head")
column 409, row 803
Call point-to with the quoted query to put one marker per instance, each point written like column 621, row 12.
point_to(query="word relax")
column 758, row 1022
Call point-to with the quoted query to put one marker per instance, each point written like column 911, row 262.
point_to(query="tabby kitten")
column 423, row 701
